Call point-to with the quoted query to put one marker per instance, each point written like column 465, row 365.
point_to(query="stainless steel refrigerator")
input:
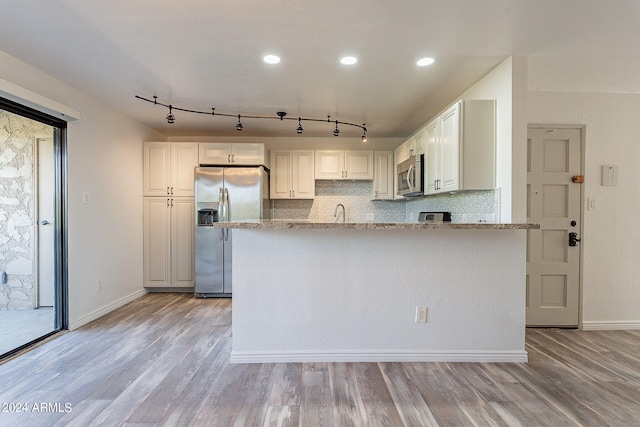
column 224, row 193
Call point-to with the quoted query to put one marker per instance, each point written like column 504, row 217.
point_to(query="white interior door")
column 45, row 225
column 554, row 201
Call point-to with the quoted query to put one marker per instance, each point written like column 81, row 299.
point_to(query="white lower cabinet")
column 292, row 174
column 168, row 242
column 383, row 188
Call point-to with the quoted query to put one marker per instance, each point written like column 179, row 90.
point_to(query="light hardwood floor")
column 163, row 360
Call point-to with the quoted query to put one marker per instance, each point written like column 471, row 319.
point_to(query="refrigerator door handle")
column 226, row 213
column 226, row 204
column 221, row 209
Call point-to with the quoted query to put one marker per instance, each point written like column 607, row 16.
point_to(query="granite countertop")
column 308, row 225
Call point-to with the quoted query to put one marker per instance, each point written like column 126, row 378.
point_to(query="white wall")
column 361, row 287
column 611, row 289
column 105, row 160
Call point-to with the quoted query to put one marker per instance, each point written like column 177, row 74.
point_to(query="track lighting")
column 171, row 119
column 239, row 126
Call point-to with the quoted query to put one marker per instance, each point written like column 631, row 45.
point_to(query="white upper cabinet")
column 461, row 148
column 168, row 168
column 292, row 174
column 338, row 164
column 214, row 153
column 383, row 188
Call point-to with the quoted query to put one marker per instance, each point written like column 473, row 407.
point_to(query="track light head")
column 171, row 119
column 336, row 131
column 299, row 128
column 364, row 134
column 239, row 126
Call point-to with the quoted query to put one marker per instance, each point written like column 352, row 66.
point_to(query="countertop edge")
column 303, row 225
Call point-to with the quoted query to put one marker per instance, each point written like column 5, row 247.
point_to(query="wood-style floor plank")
column 163, row 360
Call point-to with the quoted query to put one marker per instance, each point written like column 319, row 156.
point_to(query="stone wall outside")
column 17, row 209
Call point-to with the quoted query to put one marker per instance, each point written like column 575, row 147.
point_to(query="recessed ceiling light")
column 423, row 62
column 271, row 59
column 348, row 60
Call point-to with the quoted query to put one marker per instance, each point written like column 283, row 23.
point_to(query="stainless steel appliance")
column 224, row 193
column 410, row 177
column 434, row 217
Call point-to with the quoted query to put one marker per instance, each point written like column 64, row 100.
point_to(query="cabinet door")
column 184, row 158
column 303, row 182
column 450, row 149
column 157, row 242
column 247, row 154
column 399, row 157
column 213, row 153
column 157, row 169
column 431, row 160
column 383, row 175
column 359, row 164
column 329, row 164
column 281, row 175
column 182, row 242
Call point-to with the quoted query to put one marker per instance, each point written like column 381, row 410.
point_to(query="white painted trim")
column 36, row 101
column 106, row 309
column 381, row 356
column 610, row 325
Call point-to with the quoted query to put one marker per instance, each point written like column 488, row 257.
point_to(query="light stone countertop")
column 315, row 225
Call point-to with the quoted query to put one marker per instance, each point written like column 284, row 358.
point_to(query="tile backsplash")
column 471, row 206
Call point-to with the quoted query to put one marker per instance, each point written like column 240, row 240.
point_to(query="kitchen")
column 476, row 206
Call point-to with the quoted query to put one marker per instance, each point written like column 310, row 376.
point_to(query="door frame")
column 583, row 225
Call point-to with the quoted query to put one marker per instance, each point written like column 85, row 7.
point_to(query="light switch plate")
column 609, row 175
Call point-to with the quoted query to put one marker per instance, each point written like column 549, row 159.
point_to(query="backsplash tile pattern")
column 472, row 206
column 466, row 206
column 354, row 195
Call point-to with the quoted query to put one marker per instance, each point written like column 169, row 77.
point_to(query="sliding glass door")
column 32, row 226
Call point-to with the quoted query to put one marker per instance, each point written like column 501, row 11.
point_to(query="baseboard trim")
column 106, row 309
column 381, row 356
column 613, row 325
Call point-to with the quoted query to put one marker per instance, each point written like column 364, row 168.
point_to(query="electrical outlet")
column 421, row 314
column 100, row 288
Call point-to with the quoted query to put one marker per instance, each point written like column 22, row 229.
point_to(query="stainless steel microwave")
column 410, row 177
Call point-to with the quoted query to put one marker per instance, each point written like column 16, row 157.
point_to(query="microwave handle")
column 409, row 183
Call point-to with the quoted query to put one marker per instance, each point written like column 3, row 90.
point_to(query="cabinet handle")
column 375, row 194
column 172, row 191
column 293, row 192
column 171, row 202
column 228, row 158
column 167, row 202
column 233, row 158
column 168, row 191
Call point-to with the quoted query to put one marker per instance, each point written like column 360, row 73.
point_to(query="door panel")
column 45, row 223
column 554, row 201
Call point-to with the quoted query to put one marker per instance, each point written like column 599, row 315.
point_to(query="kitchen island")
column 317, row 292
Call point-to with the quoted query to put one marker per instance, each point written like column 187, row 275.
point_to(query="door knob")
column 44, row 222
column 573, row 239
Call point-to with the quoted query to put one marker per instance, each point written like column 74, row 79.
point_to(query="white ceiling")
column 199, row 54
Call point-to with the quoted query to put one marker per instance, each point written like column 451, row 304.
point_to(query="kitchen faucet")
column 335, row 213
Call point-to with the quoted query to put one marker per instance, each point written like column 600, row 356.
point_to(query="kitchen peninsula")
column 316, row 291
